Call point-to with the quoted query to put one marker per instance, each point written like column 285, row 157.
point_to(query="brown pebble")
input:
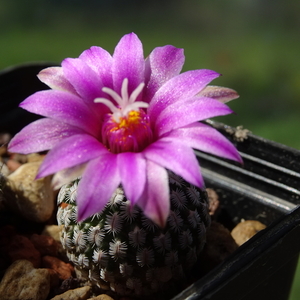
column 3, row 150
column 23, row 282
column 34, row 157
column 213, row 200
column 64, row 270
column 54, row 279
column 21, row 247
column 46, row 245
column 81, row 293
column 68, row 284
column 54, row 231
column 5, row 138
column 64, row 205
column 105, row 297
column 21, row 158
column 219, row 245
column 245, row 230
column 13, row 165
column 32, row 198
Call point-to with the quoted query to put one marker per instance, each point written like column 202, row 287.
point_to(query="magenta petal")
column 205, row 138
column 41, row 135
column 65, row 176
column 99, row 181
column 176, row 157
column 64, row 107
column 183, row 86
column 100, row 61
column 70, row 152
column 132, row 168
column 183, row 113
column 162, row 64
column 86, row 81
column 155, row 202
column 128, row 62
column 55, row 79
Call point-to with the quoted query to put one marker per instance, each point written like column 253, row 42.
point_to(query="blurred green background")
column 254, row 44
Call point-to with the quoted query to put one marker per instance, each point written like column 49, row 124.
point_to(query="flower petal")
column 183, row 113
column 176, row 157
column 100, row 61
column 64, row 107
column 219, row 93
column 155, row 202
column 132, row 168
column 99, row 181
column 55, row 79
column 70, row 152
column 183, row 86
column 85, row 80
column 162, row 64
column 128, row 62
column 41, row 135
column 65, row 176
column 207, row 139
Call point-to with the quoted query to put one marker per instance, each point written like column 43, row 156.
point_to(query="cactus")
column 120, row 122
column 125, row 250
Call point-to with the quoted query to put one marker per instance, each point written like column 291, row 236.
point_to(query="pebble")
column 4, row 169
column 245, row 230
column 69, row 284
column 21, row 158
column 22, row 281
column 53, row 231
column 82, row 293
column 101, row 297
column 213, row 201
column 219, row 245
column 64, row 270
column 46, row 245
column 13, row 165
column 34, row 157
column 21, row 247
column 54, row 279
column 33, row 199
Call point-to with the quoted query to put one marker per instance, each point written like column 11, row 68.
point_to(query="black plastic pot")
column 265, row 188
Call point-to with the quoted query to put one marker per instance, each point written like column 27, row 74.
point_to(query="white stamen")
column 124, row 91
column 113, row 94
column 108, row 103
column 125, row 105
column 136, row 92
column 134, row 106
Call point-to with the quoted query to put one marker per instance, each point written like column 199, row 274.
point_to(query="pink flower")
column 123, row 119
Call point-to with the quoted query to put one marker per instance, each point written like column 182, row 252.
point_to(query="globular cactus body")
column 122, row 249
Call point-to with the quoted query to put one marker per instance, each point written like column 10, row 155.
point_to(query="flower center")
column 127, row 127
